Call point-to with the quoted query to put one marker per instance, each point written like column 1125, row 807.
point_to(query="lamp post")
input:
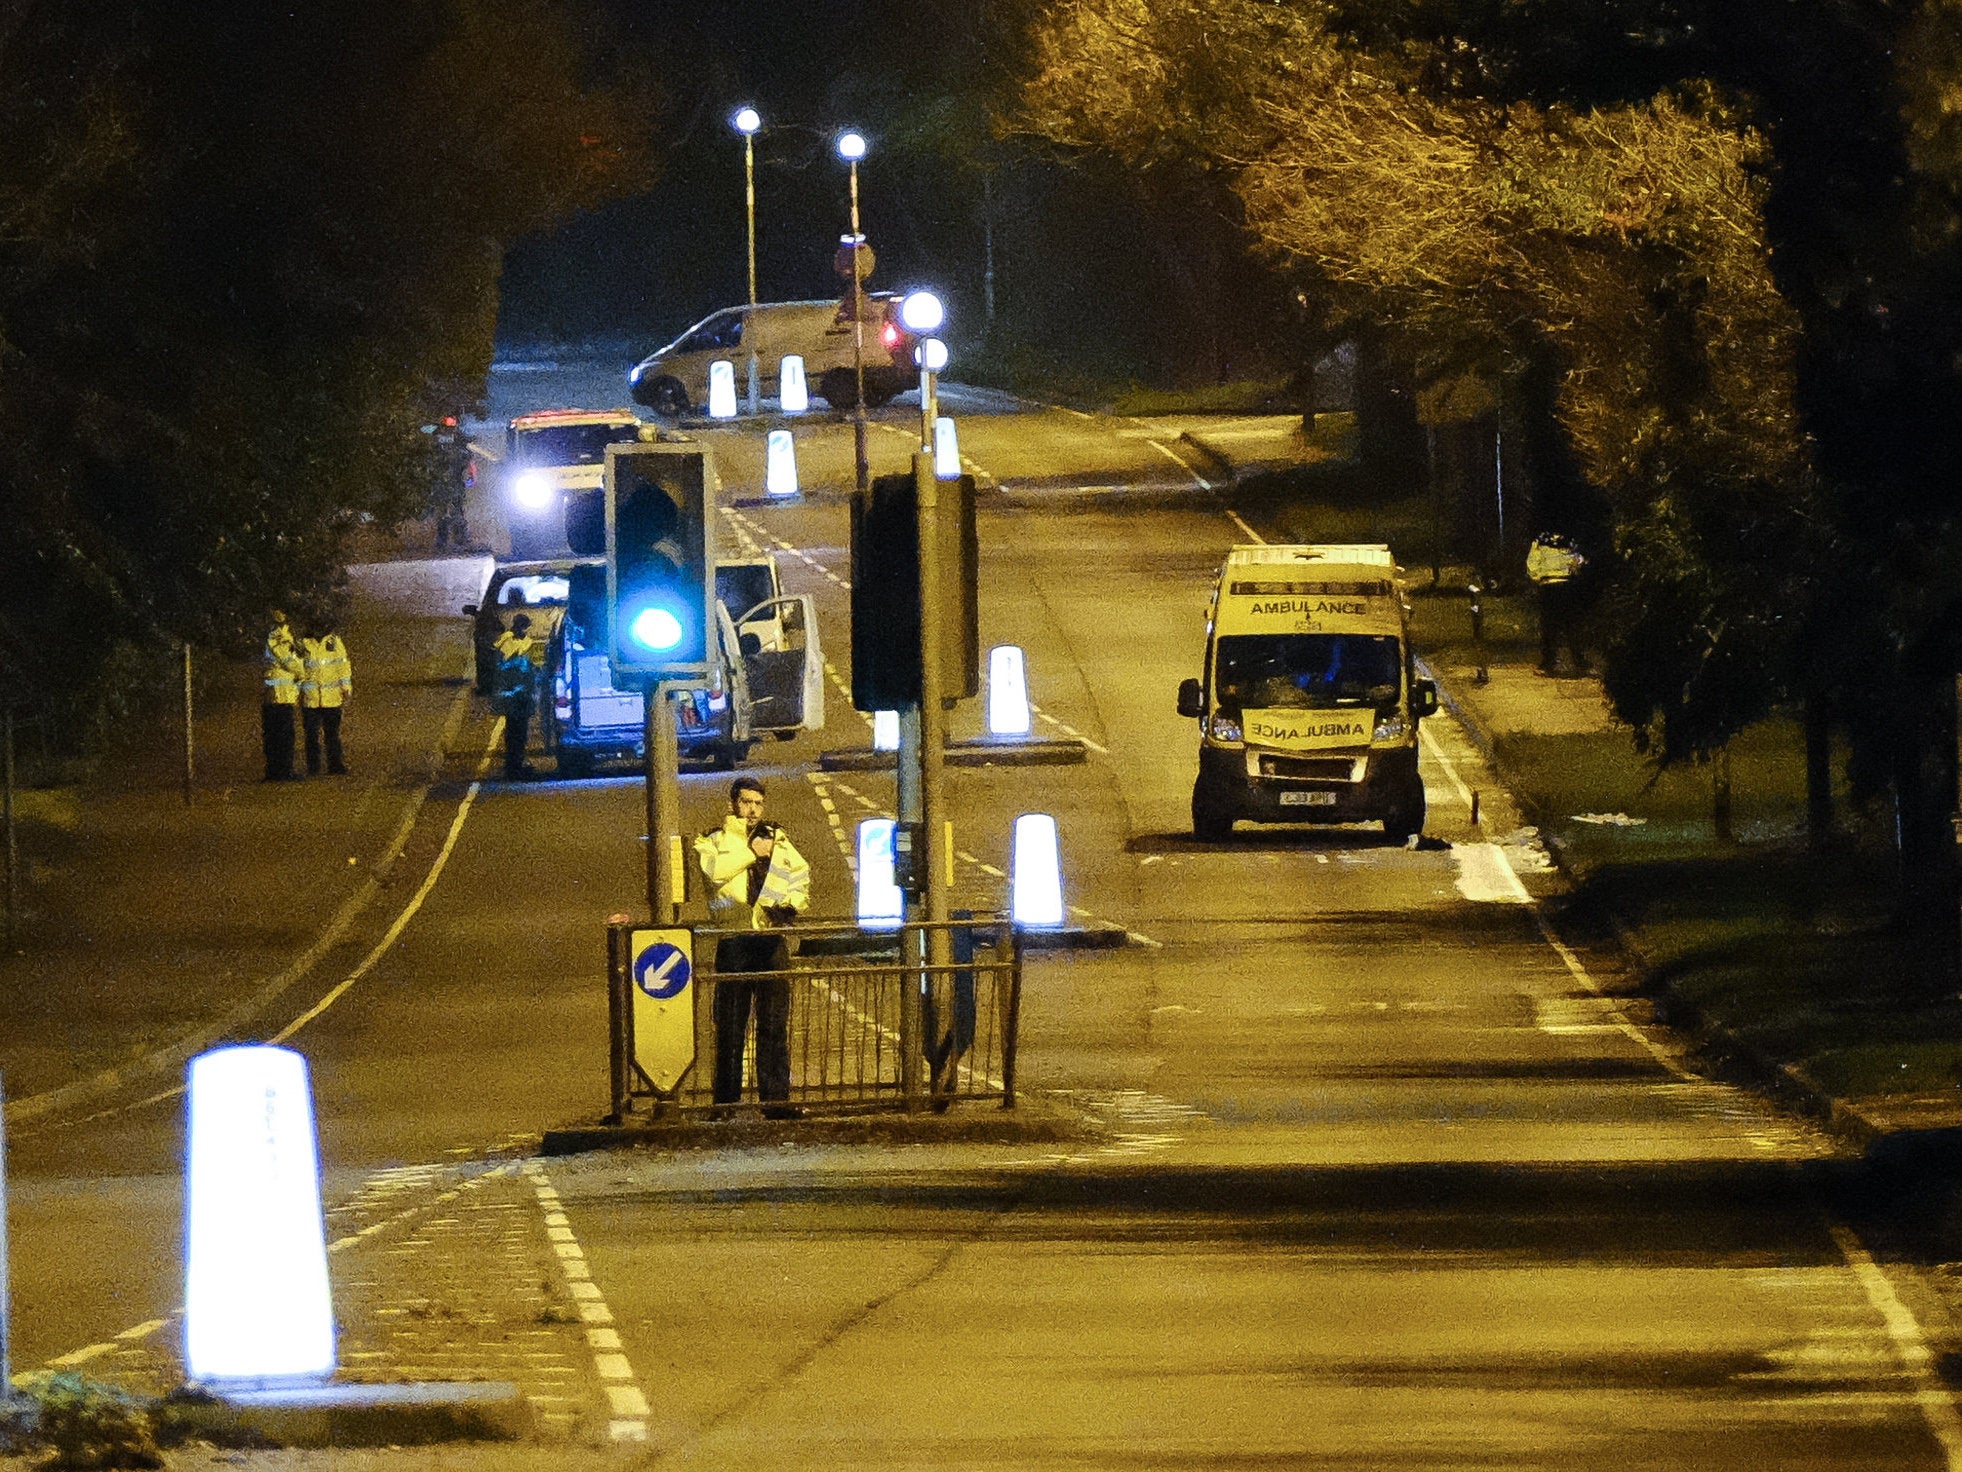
column 851, row 148
column 746, row 122
column 923, row 315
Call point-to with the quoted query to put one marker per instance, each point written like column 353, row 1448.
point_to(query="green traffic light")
column 656, row 629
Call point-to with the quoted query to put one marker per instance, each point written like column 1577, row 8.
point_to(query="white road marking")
column 1930, row 1394
column 1560, row 948
column 625, row 1400
column 28, row 1107
column 415, row 903
column 1068, row 730
column 1485, row 877
column 1179, row 460
column 762, row 533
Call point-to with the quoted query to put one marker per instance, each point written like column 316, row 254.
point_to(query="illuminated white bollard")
column 1035, row 872
column 1008, row 692
column 780, row 479
column 946, row 450
column 881, row 905
column 793, row 394
column 722, row 389
column 885, row 730
column 257, row 1304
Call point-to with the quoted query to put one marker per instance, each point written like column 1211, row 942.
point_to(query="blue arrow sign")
column 662, row 971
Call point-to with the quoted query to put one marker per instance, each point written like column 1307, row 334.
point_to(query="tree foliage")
column 246, row 252
column 1622, row 241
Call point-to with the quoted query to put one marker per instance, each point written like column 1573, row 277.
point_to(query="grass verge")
column 1793, row 953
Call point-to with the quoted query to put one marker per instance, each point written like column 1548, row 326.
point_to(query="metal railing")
column 867, row 1024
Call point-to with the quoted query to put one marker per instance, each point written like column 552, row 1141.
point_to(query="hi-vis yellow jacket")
column 725, row 857
column 329, row 677
column 284, row 667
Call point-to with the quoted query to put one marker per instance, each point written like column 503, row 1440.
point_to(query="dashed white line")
column 1068, row 730
column 626, row 1403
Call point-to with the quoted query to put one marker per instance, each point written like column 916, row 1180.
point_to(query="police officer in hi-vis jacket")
column 758, row 880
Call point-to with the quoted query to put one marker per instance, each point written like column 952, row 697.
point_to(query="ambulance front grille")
column 1314, row 768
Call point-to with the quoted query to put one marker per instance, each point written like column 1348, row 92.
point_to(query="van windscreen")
column 572, row 444
column 1306, row 671
column 742, row 586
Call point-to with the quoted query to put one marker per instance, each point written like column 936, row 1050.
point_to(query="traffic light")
column 660, row 565
column 886, row 594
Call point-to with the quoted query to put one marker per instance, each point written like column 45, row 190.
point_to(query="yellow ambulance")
column 1309, row 704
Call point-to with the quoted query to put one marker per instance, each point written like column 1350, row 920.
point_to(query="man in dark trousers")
column 1554, row 565
column 284, row 669
column 517, row 677
column 756, row 879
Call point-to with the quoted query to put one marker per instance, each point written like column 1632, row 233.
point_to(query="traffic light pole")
column 663, row 804
column 932, row 718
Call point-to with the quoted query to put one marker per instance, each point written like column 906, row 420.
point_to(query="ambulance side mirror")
column 1423, row 699
column 1192, row 701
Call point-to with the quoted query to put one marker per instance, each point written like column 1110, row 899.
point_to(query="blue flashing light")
column 656, row 629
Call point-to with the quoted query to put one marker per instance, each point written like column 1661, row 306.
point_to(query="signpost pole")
column 6, row 1365
column 7, row 821
column 663, row 804
column 190, row 732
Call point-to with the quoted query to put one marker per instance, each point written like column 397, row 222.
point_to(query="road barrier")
column 870, row 1026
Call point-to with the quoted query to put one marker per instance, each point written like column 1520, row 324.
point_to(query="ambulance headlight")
column 534, row 490
column 1225, row 727
column 1393, row 727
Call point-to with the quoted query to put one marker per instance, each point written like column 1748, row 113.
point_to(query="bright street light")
column 746, row 121
column 931, row 354
column 922, row 312
column 851, row 148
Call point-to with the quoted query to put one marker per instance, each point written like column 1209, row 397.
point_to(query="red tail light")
column 889, row 335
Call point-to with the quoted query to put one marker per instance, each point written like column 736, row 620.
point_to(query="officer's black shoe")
column 782, row 1111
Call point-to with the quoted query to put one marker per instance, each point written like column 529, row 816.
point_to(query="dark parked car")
column 535, row 588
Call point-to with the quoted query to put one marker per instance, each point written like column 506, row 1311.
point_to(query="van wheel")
column 838, row 387
column 575, row 765
column 666, row 396
column 1212, row 817
column 878, row 398
column 1406, row 814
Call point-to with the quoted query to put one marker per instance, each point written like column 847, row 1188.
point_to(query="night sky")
column 644, row 268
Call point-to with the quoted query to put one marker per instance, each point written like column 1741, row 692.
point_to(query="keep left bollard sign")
column 257, row 1301
column 662, row 965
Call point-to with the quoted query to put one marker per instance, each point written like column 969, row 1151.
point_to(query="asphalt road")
column 1392, row 1176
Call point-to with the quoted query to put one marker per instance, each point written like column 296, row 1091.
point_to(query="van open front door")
column 786, row 685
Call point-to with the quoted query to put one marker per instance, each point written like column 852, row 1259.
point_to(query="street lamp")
column 851, row 148
column 923, row 315
column 746, row 122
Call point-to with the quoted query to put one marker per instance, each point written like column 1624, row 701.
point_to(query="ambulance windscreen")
column 1307, row 671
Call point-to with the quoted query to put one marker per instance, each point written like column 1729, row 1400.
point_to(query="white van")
column 675, row 379
column 549, row 458
column 1309, row 703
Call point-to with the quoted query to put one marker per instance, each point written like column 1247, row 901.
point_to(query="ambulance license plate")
column 1308, row 799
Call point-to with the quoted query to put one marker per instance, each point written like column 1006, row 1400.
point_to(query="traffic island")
column 415, row 1414
column 746, row 1128
column 979, row 752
